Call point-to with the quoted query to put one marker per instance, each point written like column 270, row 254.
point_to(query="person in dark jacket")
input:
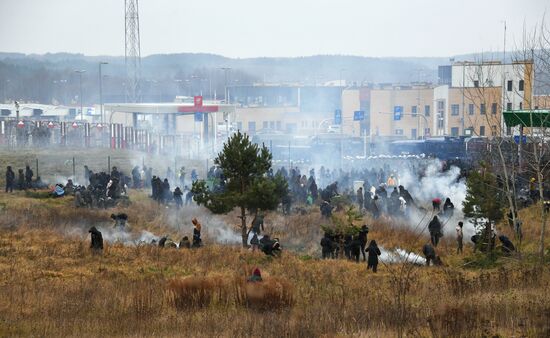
column 429, row 253
column 448, row 208
column 507, row 245
column 184, row 243
column 374, row 252
column 178, row 199
column 258, row 224
column 360, row 199
column 21, row 180
column 327, row 246
column 435, row 230
column 363, row 232
column 197, row 241
column 255, row 242
column 96, row 243
column 28, row 176
column 355, row 248
column 10, row 179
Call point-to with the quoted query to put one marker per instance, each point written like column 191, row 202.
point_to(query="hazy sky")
column 246, row 28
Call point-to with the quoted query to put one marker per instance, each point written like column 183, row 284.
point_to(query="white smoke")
column 400, row 256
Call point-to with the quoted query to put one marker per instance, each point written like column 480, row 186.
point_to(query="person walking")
column 459, row 237
column 374, row 252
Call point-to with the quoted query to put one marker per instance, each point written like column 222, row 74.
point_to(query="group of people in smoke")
column 23, row 181
column 266, row 244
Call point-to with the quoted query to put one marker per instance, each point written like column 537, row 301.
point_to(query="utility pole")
column 225, row 70
column 80, row 72
column 101, row 91
column 132, row 49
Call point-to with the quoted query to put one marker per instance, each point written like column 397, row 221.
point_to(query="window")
column 476, row 83
column 427, row 110
column 454, row 131
column 493, row 108
column 427, row 132
column 239, row 126
column 265, row 125
column 252, row 127
column 509, row 85
column 5, row 112
column 413, row 111
column 509, row 106
column 471, row 109
column 398, row 131
column 521, row 84
column 272, row 125
column 520, row 105
column 482, row 131
column 482, row 108
column 494, row 130
column 413, row 134
column 279, row 125
column 454, row 109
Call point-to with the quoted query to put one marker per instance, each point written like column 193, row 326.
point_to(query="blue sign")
column 397, row 113
column 523, row 139
column 198, row 117
column 358, row 115
column 337, row 116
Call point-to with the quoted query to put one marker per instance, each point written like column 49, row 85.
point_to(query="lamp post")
column 80, row 72
column 101, row 91
column 225, row 70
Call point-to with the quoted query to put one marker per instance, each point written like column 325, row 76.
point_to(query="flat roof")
column 169, row 108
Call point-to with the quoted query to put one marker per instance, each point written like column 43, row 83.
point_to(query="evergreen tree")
column 483, row 203
column 245, row 166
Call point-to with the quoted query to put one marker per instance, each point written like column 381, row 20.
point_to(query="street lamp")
column 80, row 72
column 225, row 70
column 101, row 63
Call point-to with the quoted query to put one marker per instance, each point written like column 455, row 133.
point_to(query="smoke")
column 400, row 256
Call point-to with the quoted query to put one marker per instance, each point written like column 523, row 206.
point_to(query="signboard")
column 358, row 115
column 90, row 111
column 198, row 117
column 523, row 139
column 337, row 116
column 397, row 113
column 198, row 101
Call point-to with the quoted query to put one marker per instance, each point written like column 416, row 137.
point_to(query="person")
column 459, row 237
column 436, row 204
column 10, row 179
column 355, row 248
column 429, row 253
column 184, row 243
column 258, row 224
column 136, row 177
column 363, row 232
column 327, row 246
column 165, row 191
column 20, row 180
column 28, row 176
column 96, row 243
column 256, row 276
column 255, row 242
column 435, row 230
column 120, row 220
column 507, row 245
column 360, row 199
column 197, row 241
column 374, row 252
column 178, row 197
column 326, row 209
column 448, row 208
column 86, row 174
column 162, row 242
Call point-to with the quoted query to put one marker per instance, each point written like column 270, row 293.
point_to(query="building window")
column 413, row 111
column 251, row 127
column 494, row 130
column 521, row 84
column 476, row 83
column 509, row 106
column 482, row 131
column 454, row 131
column 482, row 109
column 398, row 131
column 272, row 125
column 427, row 110
column 426, row 131
column 279, row 125
column 454, row 109
column 509, row 85
column 520, row 105
column 493, row 108
column 471, row 109
column 413, row 134
column 265, row 125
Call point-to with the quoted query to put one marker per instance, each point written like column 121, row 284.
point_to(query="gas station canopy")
column 170, row 108
column 527, row 118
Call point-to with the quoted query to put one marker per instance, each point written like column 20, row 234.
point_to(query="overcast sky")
column 247, row 28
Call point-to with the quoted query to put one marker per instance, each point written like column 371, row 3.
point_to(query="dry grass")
column 52, row 285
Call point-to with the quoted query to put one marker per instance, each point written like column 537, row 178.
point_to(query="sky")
column 281, row 28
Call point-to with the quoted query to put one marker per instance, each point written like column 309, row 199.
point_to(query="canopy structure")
column 527, row 118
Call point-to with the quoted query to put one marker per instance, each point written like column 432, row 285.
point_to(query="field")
column 52, row 284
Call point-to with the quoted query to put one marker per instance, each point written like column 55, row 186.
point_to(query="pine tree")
column 483, row 203
column 245, row 166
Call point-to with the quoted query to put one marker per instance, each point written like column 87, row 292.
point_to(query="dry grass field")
column 51, row 284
